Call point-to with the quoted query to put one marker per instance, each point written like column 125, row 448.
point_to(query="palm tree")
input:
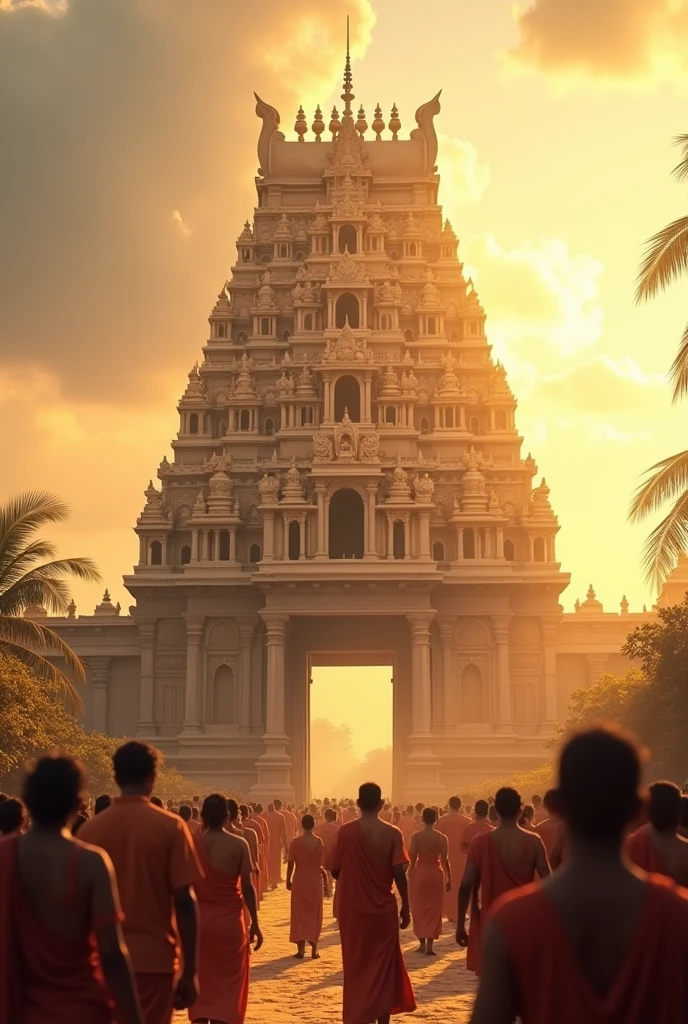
column 26, row 578
column 665, row 260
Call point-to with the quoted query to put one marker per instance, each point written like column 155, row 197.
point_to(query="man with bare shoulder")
column 657, row 847
column 500, row 860
column 368, row 857
column 56, row 895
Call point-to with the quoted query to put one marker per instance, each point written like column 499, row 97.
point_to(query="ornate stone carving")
column 423, row 489
column 369, row 447
column 170, row 633
column 348, row 348
column 346, row 270
column 268, row 488
column 223, row 636
column 346, row 440
column 322, row 447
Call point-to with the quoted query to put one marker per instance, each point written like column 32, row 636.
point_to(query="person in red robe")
column 682, row 829
column 497, row 861
column 551, row 828
column 277, row 850
column 327, row 831
column 63, row 958
column 656, row 847
column 601, row 942
column 429, row 879
column 252, row 837
column 452, row 825
column 368, row 858
column 305, row 877
column 408, row 825
column 481, row 824
column 223, row 893
column 257, row 819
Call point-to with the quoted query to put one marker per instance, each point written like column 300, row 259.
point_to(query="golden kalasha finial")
column 347, row 95
column 361, row 124
column 335, row 123
column 378, row 124
column 394, row 123
column 318, row 125
column 301, row 126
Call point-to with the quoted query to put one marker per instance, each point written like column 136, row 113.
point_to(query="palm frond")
column 15, row 568
column 678, row 374
column 45, row 671
column 31, row 642
column 666, row 543
column 680, row 171
column 669, row 479
column 665, row 259
column 24, row 514
column 45, row 585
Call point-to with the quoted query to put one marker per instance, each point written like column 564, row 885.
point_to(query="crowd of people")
column 572, row 907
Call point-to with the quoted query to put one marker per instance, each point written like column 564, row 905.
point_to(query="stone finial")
column 318, row 125
column 106, row 607
column 361, row 125
column 71, row 609
column 399, row 491
column 394, row 123
column 268, row 488
column 246, row 234
column 301, row 126
column 378, row 124
column 423, row 489
column 292, row 491
column 591, row 605
column 335, row 123
column 624, row 605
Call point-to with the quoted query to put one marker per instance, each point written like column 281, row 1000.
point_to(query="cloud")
column 604, row 41
column 602, row 385
column 114, row 115
column 464, row 175
column 537, row 293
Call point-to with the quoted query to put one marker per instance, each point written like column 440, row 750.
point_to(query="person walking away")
column 305, row 882
column 368, row 858
column 156, row 867
column 429, row 879
column 498, row 861
column 223, row 894
column 63, row 958
column 599, row 942
column 327, row 831
column 481, row 824
column 452, row 825
column 656, row 847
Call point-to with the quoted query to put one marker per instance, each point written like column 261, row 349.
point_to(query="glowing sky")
column 127, row 173
column 340, row 693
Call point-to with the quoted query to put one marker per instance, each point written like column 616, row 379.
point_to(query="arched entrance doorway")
column 346, row 524
column 347, row 397
column 347, row 309
column 348, row 238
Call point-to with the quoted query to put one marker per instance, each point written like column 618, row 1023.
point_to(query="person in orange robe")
column 526, row 819
column 598, row 943
column 408, row 825
column 156, row 867
column 277, row 828
column 368, row 858
column 186, row 816
column 305, row 878
column 223, row 894
column 349, row 813
column 252, row 837
column 551, row 828
column 63, row 958
column 291, row 820
column 498, row 861
column 386, row 813
column 539, row 809
column 429, row 879
column 481, row 824
column 656, row 847
column 452, row 825
column 258, row 820
column 327, row 831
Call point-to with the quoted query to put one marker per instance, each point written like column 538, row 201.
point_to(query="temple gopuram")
column 347, row 487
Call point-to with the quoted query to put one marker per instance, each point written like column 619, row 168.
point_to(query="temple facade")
column 348, row 488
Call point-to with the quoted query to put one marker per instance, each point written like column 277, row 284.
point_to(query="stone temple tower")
column 347, row 487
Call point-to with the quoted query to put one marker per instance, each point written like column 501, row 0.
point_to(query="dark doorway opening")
column 346, row 524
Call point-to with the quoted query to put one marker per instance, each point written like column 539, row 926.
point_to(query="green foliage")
column 27, row 578
column 34, row 720
column 538, row 780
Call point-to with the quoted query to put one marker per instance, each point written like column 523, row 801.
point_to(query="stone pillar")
column 192, row 697
column 424, row 534
column 320, row 551
column 274, row 766
column 407, row 535
column 194, row 545
column 459, row 542
column 327, row 398
column 367, row 399
column 597, row 664
column 146, row 723
column 549, row 646
column 232, row 544
column 285, row 541
column 268, row 537
column 500, row 543
column 371, row 501
column 423, row 765
column 390, row 537
column 302, row 535
column 500, row 628
column 447, row 634
column 99, row 681
column 247, row 628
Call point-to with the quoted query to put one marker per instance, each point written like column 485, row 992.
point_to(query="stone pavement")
column 288, row 991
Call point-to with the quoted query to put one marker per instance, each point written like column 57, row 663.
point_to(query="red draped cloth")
column 375, row 979
column 495, row 880
column 643, row 853
column 223, row 949
column 650, row 988
column 45, row 977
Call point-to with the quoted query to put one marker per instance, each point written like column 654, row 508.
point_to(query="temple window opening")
column 223, row 696
column 223, row 546
column 265, row 325
column 391, row 415
column 308, row 322
column 156, row 553
column 347, row 308
column 438, row 551
column 474, row 425
column 269, row 427
column 424, row 425
column 185, row 555
column 294, row 541
column 500, row 419
column 254, row 554
column 469, row 543
column 539, row 549
column 471, row 695
column 509, row 551
column 346, row 524
column 245, row 420
column 348, row 238
column 398, row 540
column 347, row 399
column 193, row 423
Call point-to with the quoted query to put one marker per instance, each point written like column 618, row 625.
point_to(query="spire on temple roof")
column 347, row 95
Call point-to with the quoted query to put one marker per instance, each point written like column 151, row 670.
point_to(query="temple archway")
column 346, row 524
column 347, row 308
column 347, row 397
column 348, row 238
column 472, row 702
column 223, row 696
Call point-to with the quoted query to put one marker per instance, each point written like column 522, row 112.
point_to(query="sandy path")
column 287, row 991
